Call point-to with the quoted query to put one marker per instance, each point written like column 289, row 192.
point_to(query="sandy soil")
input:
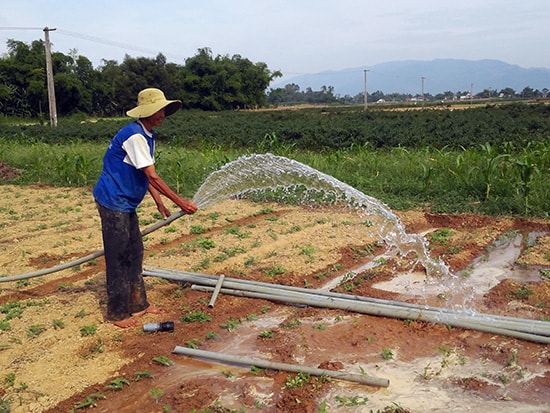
column 58, row 354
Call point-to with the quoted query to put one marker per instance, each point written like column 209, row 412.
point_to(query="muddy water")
column 466, row 289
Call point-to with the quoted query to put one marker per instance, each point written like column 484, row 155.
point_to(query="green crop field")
column 489, row 159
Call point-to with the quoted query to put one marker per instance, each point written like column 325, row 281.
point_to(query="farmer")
column 128, row 173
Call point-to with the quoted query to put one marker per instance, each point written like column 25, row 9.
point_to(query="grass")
column 487, row 179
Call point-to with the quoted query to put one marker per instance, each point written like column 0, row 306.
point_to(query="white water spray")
column 257, row 173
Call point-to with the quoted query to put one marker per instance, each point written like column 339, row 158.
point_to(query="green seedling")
column 90, row 401
column 146, row 374
column 194, row 343
column 58, row 324
column 441, row 236
column 522, row 293
column 35, row 330
column 156, row 393
column 250, row 261
column 273, row 271
column 117, row 384
column 308, row 251
column 197, row 229
column 351, row 401
column 198, row 316
column 9, row 380
column 256, row 370
column 387, row 354
column 80, row 314
column 237, row 232
column 266, row 334
column 163, row 360
column 301, row 379
column 87, row 331
column 544, row 273
column 231, row 324
column 211, row 335
column 97, row 347
column 295, row 323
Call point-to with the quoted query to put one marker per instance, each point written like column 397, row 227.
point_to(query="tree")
column 23, row 78
column 507, row 92
column 224, row 82
column 527, row 93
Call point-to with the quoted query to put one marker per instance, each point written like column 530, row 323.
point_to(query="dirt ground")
column 59, row 355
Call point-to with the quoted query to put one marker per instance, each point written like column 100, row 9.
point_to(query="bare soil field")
column 57, row 353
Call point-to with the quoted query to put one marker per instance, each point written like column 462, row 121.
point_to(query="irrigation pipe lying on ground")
column 87, row 258
column 264, row 364
column 530, row 330
column 528, row 326
column 390, row 312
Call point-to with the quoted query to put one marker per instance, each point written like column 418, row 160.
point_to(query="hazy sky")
column 293, row 36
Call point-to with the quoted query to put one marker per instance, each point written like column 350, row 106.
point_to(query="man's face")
column 157, row 118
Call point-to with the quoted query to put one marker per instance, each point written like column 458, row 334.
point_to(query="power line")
column 21, row 28
column 100, row 40
column 110, row 42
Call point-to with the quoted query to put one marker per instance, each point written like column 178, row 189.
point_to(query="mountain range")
column 433, row 77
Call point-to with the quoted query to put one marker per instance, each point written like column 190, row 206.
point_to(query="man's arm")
column 157, row 186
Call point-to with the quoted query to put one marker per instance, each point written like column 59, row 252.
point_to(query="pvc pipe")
column 216, row 291
column 373, row 306
column 363, row 379
column 540, row 331
column 87, row 258
column 491, row 318
column 409, row 314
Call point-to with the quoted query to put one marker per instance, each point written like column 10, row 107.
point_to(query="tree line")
column 204, row 82
column 291, row 94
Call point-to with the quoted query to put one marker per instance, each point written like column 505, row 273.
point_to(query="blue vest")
column 121, row 187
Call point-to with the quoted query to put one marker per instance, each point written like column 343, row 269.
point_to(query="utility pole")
column 423, row 91
column 49, row 76
column 366, row 95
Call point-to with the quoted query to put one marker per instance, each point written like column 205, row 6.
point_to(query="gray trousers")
column 123, row 247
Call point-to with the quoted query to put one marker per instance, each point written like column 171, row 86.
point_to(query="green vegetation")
column 117, row 384
column 351, row 401
column 88, row 330
column 204, row 82
column 90, row 401
column 387, row 354
column 491, row 160
column 298, row 380
column 163, row 360
column 197, row 316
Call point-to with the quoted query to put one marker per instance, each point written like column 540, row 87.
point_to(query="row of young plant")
column 491, row 179
column 320, row 128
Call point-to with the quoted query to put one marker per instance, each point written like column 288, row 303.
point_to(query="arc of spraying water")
column 264, row 172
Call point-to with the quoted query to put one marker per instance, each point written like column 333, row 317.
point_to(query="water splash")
column 258, row 173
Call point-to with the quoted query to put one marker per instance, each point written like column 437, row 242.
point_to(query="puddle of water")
column 486, row 272
column 420, row 386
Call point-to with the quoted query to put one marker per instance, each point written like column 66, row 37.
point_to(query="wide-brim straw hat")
column 150, row 101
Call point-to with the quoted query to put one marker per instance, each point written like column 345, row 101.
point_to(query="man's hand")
column 163, row 210
column 187, row 206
